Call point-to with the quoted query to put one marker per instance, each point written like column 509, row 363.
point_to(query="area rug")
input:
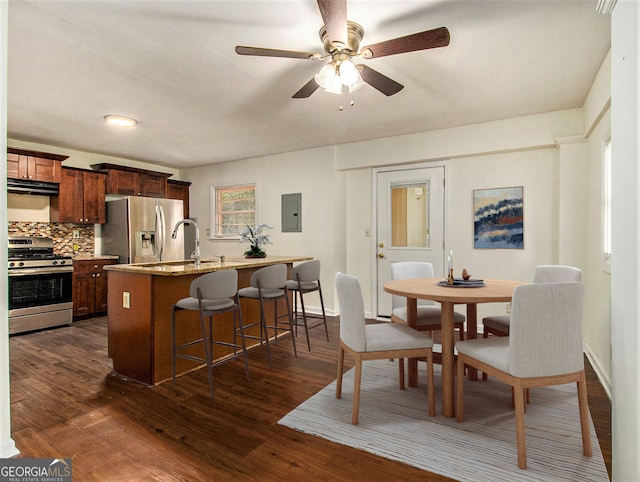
column 395, row 424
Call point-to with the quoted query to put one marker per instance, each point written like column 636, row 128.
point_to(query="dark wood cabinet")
column 81, row 198
column 90, row 287
column 34, row 165
column 179, row 190
column 131, row 181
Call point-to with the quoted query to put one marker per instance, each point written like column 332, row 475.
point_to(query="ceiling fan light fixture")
column 327, row 74
column 335, row 87
column 348, row 73
column 358, row 84
column 120, row 120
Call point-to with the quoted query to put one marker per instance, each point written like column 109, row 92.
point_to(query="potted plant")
column 256, row 239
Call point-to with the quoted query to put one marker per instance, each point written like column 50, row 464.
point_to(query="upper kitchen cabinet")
column 179, row 190
column 34, row 165
column 81, row 198
column 131, row 181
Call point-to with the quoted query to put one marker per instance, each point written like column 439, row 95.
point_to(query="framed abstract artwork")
column 498, row 218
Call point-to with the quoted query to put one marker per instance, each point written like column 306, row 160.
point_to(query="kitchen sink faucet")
column 196, row 252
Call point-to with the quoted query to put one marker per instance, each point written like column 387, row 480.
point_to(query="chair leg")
column 518, row 393
column 304, row 320
column 173, row 344
column 324, row 317
column 207, row 350
column 430, row 388
column 242, row 339
column 485, row 334
column 460, row 391
column 356, row 391
column 293, row 338
column 401, row 372
column 526, row 397
column 584, row 415
column 264, row 334
column 339, row 375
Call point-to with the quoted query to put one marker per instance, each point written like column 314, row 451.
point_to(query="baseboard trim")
column 316, row 311
column 602, row 375
column 8, row 449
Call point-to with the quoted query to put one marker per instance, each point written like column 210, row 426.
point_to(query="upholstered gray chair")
column 499, row 324
column 544, row 347
column 269, row 284
column 429, row 314
column 305, row 278
column 376, row 341
column 210, row 294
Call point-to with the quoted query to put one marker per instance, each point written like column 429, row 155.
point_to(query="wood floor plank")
column 65, row 403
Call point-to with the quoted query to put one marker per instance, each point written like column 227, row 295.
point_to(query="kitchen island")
column 139, row 313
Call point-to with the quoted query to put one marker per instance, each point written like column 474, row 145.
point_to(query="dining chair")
column 547, row 273
column 377, row 341
column 429, row 314
column 210, row 294
column 269, row 284
column 305, row 278
column 544, row 348
column 499, row 324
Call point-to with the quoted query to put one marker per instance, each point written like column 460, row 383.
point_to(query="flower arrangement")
column 256, row 239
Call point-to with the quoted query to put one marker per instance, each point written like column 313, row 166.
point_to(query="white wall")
column 7, row 445
column 311, row 173
column 625, row 261
column 597, row 333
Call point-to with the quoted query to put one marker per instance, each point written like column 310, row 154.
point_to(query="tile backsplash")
column 61, row 233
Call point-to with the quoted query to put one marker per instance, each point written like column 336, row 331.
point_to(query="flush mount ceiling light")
column 120, row 120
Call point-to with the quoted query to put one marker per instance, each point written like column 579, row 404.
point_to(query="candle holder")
column 450, row 277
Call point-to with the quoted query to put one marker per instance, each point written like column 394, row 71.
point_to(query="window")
column 606, row 205
column 234, row 208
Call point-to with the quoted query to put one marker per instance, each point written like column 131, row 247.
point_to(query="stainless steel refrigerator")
column 138, row 230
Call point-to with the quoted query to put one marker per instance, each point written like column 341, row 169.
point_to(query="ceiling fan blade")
column 379, row 81
column 334, row 16
column 306, row 91
column 438, row 37
column 261, row 52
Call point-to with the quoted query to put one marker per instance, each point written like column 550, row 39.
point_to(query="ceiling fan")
column 341, row 39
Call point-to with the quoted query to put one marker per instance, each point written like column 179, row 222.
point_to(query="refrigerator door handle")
column 160, row 231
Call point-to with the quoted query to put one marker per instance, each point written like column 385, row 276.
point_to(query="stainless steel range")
column 40, row 291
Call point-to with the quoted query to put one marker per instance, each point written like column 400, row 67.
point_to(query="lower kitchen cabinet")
column 90, row 287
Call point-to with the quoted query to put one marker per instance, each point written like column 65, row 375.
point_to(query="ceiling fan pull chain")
column 340, row 108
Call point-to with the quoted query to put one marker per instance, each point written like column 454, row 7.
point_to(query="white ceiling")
column 172, row 66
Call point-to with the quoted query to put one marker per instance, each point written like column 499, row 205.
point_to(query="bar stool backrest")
column 555, row 273
column 270, row 277
column 308, row 271
column 215, row 285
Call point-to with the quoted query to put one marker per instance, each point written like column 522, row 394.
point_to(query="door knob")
column 380, row 245
column 380, row 255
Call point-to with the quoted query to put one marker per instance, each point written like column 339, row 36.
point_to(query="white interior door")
column 409, row 224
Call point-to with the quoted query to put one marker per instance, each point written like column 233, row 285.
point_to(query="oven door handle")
column 32, row 271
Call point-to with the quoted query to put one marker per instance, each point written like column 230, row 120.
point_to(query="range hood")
column 26, row 186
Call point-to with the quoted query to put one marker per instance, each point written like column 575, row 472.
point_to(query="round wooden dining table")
column 492, row 291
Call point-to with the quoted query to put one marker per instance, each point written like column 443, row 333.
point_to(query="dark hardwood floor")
column 65, row 403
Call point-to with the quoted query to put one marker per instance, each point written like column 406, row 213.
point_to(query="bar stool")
column 269, row 284
column 305, row 278
column 211, row 294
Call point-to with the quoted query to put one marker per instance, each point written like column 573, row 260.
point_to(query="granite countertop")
column 187, row 267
